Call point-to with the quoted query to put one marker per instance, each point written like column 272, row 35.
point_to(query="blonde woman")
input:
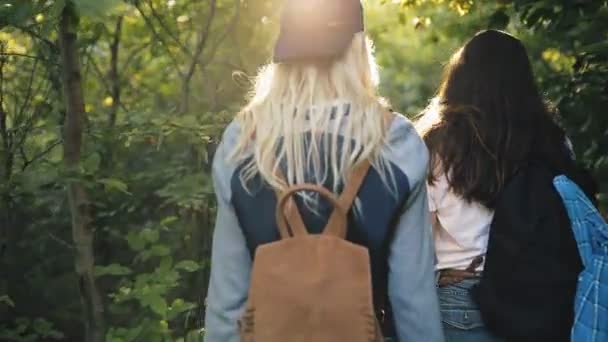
column 314, row 115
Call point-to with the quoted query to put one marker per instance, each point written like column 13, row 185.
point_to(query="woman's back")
column 378, row 204
column 391, row 220
column 501, row 226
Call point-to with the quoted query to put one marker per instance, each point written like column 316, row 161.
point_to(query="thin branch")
column 134, row 54
column 2, row 63
column 30, row 122
column 29, row 92
column 39, row 155
column 202, row 41
column 113, row 74
column 60, row 241
column 14, row 54
column 166, row 28
column 225, row 34
column 97, row 70
column 4, row 133
column 99, row 73
column 200, row 47
column 158, row 37
column 36, row 35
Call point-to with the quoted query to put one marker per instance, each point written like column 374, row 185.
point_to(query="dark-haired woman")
column 487, row 121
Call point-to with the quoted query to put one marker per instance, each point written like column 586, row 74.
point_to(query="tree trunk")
column 82, row 231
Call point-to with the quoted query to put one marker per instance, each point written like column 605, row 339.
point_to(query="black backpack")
column 527, row 289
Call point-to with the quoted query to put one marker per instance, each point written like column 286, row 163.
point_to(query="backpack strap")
column 283, row 215
column 290, row 215
column 347, row 198
column 352, row 187
column 290, row 212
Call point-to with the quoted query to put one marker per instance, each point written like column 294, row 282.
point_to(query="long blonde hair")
column 290, row 99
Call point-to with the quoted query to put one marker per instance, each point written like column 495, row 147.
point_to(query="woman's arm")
column 412, row 289
column 230, row 259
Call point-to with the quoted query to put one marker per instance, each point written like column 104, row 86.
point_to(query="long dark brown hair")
column 490, row 119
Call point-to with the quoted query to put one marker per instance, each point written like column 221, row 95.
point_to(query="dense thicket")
column 110, row 112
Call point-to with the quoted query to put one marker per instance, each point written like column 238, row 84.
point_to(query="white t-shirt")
column 463, row 228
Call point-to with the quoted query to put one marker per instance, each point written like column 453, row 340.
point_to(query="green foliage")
column 26, row 330
column 573, row 69
column 150, row 290
column 96, row 8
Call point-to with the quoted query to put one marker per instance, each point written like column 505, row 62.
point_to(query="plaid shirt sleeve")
column 591, row 233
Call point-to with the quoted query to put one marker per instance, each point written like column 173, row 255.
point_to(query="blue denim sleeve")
column 412, row 289
column 230, row 259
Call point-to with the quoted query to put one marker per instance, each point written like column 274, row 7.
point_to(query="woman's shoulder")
column 403, row 134
column 231, row 133
column 405, row 148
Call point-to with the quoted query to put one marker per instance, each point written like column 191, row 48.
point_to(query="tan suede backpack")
column 312, row 288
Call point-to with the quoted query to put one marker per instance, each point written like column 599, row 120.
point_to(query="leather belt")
column 452, row 276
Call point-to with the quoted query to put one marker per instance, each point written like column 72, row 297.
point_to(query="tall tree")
column 80, row 206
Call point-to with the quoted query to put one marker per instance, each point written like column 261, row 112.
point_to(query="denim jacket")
column 591, row 233
column 395, row 226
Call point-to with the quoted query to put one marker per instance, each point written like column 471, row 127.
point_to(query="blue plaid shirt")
column 591, row 233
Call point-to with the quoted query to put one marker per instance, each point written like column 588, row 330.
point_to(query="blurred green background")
column 105, row 231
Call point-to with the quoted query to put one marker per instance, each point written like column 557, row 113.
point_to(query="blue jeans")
column 460, row 315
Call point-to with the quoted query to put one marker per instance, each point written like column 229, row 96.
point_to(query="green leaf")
column 179, row 305
column 165, row 263
column 168, row 220
column 158, row 305
column 149, row 235
column 135, row 241
column 91, row 163
column 160, row 250
column 188, row 266
column 7, row 300
column 133, row 333
column 114, row 184
column 113, row 270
